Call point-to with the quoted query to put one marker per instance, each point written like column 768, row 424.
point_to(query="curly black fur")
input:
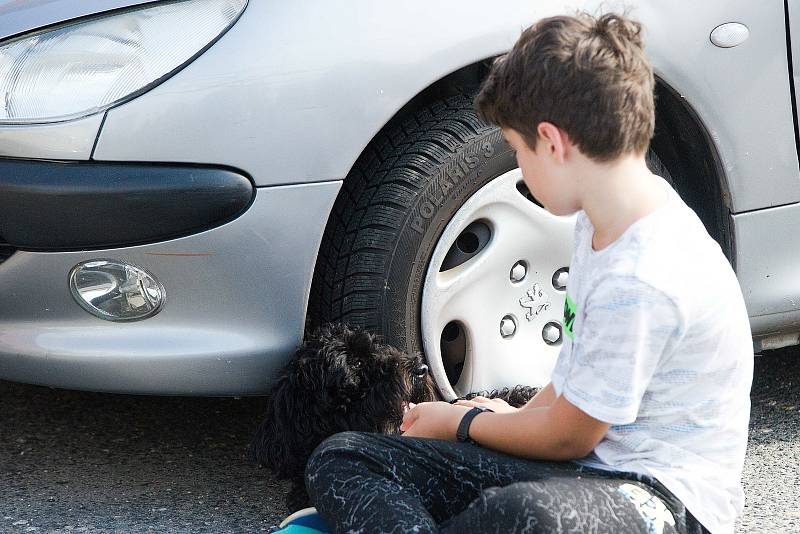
column 517, row 396
column 341, row 379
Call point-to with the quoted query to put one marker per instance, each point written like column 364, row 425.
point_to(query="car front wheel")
column 435, row 244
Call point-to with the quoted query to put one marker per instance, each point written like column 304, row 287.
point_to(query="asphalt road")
column 86, row 462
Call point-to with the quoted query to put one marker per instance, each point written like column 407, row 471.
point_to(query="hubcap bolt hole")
column 551, row 333
column 519, row 271
column 560, row 278
column 508, row 326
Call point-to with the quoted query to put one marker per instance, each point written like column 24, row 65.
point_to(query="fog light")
column 116, row 291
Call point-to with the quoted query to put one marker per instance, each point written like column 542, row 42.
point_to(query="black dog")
column 342, row 379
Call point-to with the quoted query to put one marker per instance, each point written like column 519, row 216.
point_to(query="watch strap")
column 462, row 434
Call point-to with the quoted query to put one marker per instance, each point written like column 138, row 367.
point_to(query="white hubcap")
column 499, row 304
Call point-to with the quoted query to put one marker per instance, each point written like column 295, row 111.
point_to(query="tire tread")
column 368, row 215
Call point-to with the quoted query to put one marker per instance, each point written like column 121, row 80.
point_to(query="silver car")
column 185, row 185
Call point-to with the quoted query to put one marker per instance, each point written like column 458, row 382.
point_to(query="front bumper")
column 48, row 205
column 235, row 307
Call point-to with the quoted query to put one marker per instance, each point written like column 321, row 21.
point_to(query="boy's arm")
column 556, row 432
column 545, row 397
column 559, row 431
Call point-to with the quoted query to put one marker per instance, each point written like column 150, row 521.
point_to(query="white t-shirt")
column 660, row 348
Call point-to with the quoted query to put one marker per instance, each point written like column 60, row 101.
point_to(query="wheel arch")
column 685, row 147
column 681, row 141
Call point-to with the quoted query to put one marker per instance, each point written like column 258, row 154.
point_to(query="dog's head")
column 339, row 379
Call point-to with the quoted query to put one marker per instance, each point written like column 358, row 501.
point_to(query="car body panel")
column 741, row 94
column 768, row 271
column 234, row 309
column 793, row 22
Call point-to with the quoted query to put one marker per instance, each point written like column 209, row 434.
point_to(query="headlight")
column 84, row 67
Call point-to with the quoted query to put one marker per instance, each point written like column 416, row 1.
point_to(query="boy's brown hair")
column 587, row 76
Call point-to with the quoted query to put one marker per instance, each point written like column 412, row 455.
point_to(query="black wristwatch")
column 462, row 434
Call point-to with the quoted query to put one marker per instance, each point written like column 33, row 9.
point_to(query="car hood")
column 20, row 16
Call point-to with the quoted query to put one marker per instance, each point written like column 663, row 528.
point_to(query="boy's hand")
column 496, row 405
column 438, row 420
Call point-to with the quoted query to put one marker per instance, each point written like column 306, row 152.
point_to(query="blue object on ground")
column 305, row 521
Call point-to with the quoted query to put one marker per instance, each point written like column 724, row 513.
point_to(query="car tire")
column 408, row 192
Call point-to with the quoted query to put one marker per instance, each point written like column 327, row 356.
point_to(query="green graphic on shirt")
column 569, row 317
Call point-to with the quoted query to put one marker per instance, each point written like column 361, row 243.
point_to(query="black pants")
column 372, row 483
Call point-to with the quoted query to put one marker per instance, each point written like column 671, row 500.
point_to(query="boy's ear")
column 556, row 142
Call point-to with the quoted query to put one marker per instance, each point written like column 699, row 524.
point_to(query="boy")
column 643, row 427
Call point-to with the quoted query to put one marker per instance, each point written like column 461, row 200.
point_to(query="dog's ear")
column 276, row 441
column 295, row 420
column 273, row 444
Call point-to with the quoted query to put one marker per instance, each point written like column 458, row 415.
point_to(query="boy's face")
column 544, row 171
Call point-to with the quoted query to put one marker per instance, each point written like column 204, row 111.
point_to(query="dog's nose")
column 420, row 370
